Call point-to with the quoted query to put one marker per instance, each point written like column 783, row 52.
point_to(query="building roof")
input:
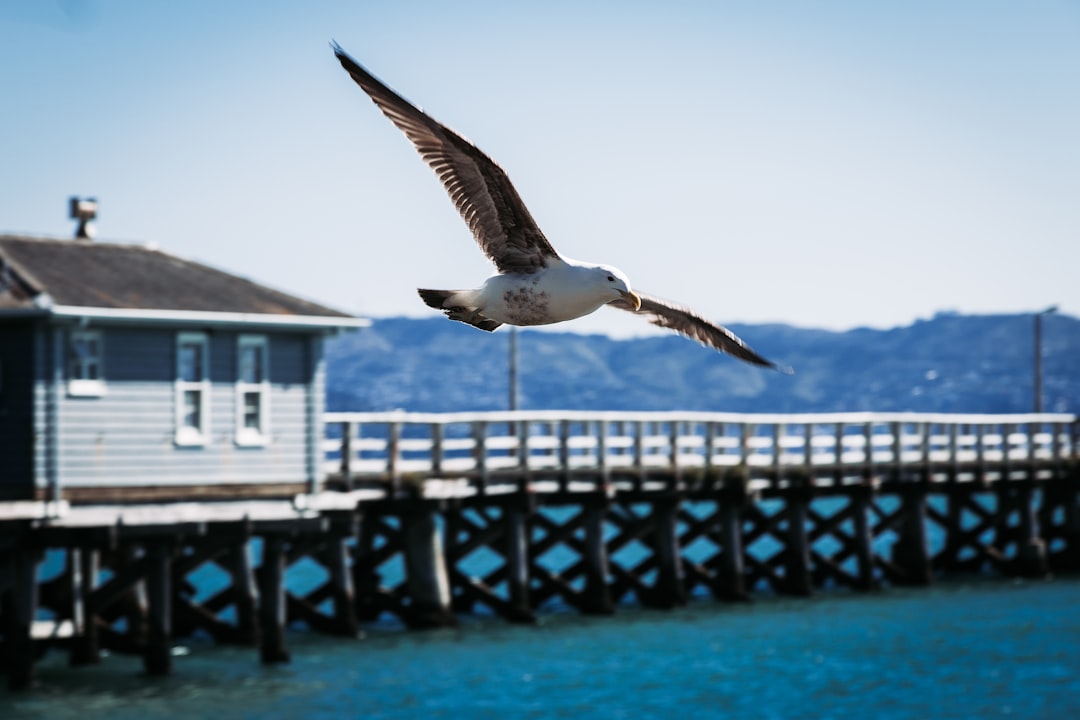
column 133, row 282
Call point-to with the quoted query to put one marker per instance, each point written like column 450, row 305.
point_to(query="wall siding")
column 126, row 437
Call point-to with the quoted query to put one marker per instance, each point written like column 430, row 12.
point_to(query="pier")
column 426, row 517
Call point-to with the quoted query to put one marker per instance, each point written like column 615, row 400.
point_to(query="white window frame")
column 78, row 385
column 259, row 435
column 185, row 434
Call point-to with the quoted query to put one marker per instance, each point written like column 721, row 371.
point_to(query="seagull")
column 534, row 284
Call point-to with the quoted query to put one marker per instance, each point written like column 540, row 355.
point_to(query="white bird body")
column 563, row 290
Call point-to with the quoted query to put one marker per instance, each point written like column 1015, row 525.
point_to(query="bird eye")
column 611, row 278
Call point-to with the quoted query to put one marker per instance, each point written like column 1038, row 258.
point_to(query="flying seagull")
column 534, row 285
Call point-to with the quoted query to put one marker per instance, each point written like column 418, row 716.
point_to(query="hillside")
column 950, row 363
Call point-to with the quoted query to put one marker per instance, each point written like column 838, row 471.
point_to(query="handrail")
column 391, row 445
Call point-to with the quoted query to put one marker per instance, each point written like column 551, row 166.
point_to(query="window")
column 252, row 391
column 192, row 389
column 84, row 370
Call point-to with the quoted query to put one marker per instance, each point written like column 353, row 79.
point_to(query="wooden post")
column 911, row 553
column 954, row 531
column 480, row 456
column 158, row 653
column 272, row 617
column 1070, row 499
column 245, row 592
column 1030, row 547
column 346, row 455
column 730, row 580
column 516, row 533
column 365, row 571
column 670, row 588
column 639, row 455
column 393, row 457
column 341, row 583
column 597, row 600
column 425, row 570
column 564, row 455
column 437, row 433
column 797, row 577
column 864, row 537
column 86, row 645
column 133, row 601
column 20, row 606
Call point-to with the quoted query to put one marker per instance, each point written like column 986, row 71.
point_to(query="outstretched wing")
column 686, row 322
column 479, row 188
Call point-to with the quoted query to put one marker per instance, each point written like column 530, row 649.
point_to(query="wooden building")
column 127, row 373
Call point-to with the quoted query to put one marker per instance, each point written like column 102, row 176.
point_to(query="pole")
column 1038, row 362
column 513, row 369
column 1038, row 356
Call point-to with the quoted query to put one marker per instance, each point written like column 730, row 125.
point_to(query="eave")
column 141, row 316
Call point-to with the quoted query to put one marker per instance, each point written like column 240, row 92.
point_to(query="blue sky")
column 825, row 164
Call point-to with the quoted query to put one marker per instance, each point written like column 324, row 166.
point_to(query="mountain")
column 950, row 363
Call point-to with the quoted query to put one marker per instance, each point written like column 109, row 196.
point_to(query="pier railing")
column 823, row 447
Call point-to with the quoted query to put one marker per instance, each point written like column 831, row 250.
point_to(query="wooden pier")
column 426, row 517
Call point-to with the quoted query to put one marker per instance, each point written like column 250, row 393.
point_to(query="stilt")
column 245, row 592
column 730, row 580
column 670, row 588
column 1070, row 500
column 425, row 571
column 337, row 557
column 132, row 603
column 1030, row 547
column 86, row 645
column 864, row 538
column 597, row 598
column 20, row 606
column 797, row 578
column 950, row 554
column 911, row 553
column 517, row 564
column 272, row 601
column 158, row 654
column 365, row 571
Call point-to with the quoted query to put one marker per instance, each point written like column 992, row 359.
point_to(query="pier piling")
column 272, row 613
column 597, row 598
column 425, row 570
column 158, row 653
column 517, row 564
column 20, row 597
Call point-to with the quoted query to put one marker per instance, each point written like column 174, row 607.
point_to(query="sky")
column 823, row 164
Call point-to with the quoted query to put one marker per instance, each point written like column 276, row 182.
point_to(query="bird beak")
column 632, row 298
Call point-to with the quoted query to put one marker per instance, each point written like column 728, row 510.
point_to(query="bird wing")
column 687, row 322
column 479, row 188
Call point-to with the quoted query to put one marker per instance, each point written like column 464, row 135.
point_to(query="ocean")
column 980, row 649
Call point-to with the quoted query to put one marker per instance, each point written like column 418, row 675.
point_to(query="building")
column 129, row 374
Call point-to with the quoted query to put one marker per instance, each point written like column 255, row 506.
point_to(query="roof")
column 137, row 282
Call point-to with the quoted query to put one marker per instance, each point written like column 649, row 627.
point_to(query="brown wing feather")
column 686, row 322
column 479, row 188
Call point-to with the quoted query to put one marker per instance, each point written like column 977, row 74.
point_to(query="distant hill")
column 950, row 363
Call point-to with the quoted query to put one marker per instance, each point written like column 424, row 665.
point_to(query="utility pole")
column 513, row 369
column 1038, row 356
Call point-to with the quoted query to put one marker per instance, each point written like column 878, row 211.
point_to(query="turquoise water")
column 981, row 650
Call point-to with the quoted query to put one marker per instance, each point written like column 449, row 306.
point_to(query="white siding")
column 127, row 436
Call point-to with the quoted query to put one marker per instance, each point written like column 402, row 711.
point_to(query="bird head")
column 619, row 285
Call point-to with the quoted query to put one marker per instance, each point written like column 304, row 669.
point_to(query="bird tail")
column 436, row 298
column 450, row 302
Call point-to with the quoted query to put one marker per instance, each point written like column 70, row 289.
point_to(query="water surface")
column 978, row 650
